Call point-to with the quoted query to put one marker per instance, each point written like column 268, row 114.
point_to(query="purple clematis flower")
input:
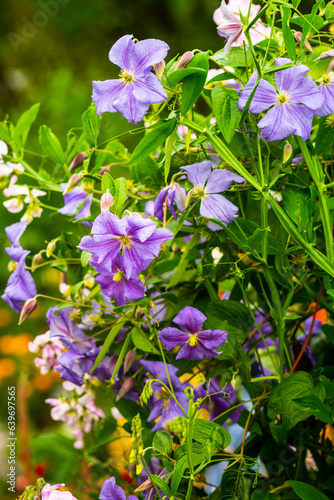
column 116, row 285
column 207, row 184
column 174, row 194
column 73, row 199
column 293, row 107
column 161, row 404
column 327, row 91
column 137, row 238
column 20, row 286
column 110, row 491
column 61, row 325
column 196, row 343
column 137, row 87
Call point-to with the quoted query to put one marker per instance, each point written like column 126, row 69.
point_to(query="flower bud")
column 77, row 161
column 330, row 66
column 126, row 387
column 329, row 54
column 29, row 307
column 184, row 60
column 146, row 485
column 37, row 259
column 74, row 181
column 287, row 152
column 159, row 68
column 106, row 201
column 51, row 248
column 307, row 45
column 129, row 359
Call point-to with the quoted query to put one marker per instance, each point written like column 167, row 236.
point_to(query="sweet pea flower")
column 50, row 493
column 47, row 351
column 174, row 194
column 110, row 491
column 137, row 238
column 6, row 168
column 207, row 185
column 137, row 87
column 327, row 91
column 292, row 108
column 196, row 343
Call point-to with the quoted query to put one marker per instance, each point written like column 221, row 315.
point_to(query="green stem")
column 315, row 169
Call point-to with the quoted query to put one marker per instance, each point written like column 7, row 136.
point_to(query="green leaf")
column 108, row 183
column 147, row 173
column 155, row 136
column 168, row 152
column 225, row 106
column 85, row 256
column 306, row 491
column 229, row 482
column 329, row 332
column 107, row 343
column 4, row 132
column 51, row 145
column 161, row 484
column 178, row 472
column 120, row 194
column 174, row 77
column 24, row 123
column 183, row 264
column 237, row 315
column 121, row 356
column 193, row 84
column 325, row 137
column 205, row 430
column 235, row 57
column 314, row 405
column 141, row 341
column 91, row 125
column 162, row 441
column 298, row 385
column 287, row 34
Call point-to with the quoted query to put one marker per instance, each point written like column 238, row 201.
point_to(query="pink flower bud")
column 74, row 181
column 307, row 45
column 77, row 161
column 184, row 60
column 126, row 387
column 129, row 359
column 29, row 307
column 329, row 54
column 106, row 201
column 159, row 68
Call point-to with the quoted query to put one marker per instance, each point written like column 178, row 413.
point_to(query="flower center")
column 125, row 241
column 330, row 121
column 199, row 192
column 282, row 98
column 127, row 76
column 118, row 276
column 12, row 265
column 89, row 187
column 163, row 395
column 326, row 79
column 192, row 340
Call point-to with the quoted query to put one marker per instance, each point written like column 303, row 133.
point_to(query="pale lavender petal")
column 264, row 97
column 138, row 227
column 109, row 224
column 216, row 206
column 221, row 179
column 123, row 53
column 306, row 93
column 289, row 79
column 212, row 339
column 327, row 107
column 180, row 197
column 85, row 210
column 20, row 287
column 136, row 259
column 149, row 52
column 105, row 93
column 286, row 119
column 198, row 173
column 190, row 352
column 73, row 199
column 110, row 490
column 129, row 107
column 103, row 248
column 190, row 320
column 149, row 89
column 172, row 337
column 15, row 231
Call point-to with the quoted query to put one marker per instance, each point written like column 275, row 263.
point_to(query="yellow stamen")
column 127, row 76
column 192, row 340
column 125, row 241
column 325, row 79
column 198, row 192
column 118, row 276
column 282, row 98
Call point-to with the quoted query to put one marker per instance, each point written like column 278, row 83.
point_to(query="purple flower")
column 162, row 404
column 61, row 325
column 293, row 107
column 110, row 491
column 116, row 285
column 213, row 205
column 20, row 286
column 137, row 238
column 327, row 91
column 174, row 194
column 196, row 343
column 73, row 199
column 137, row 87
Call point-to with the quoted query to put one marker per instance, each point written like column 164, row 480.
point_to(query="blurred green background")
column 50, row 51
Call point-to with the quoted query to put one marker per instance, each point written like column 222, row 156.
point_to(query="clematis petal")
column 198, row 173
column 109, row 224
column 172, row 337
column 190, row 320
column 103, row 248
column 212, row 339
column 129, row 107
column 123, row 53
column 216, row 206
column 15, row 231
column 285, row 120
column 149, row 89
column 264, row 97
column 327, row 91
column 149, row 52
column 190, row 352
column 289, row 79
column 159, row 203
column 105, row 93
column 110, row 491
column 85, row 210
column 307, row 93
column 221, row 179
column 138, row 227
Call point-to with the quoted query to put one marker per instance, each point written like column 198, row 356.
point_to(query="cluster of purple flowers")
column 21, row 285
column 120, row 249
column 298, row 100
